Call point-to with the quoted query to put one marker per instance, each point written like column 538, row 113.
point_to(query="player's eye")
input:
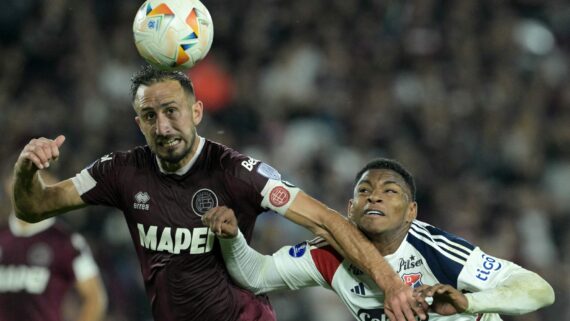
column 363, row 190
column 391, row 191
column 171, row 111
column 148, row 116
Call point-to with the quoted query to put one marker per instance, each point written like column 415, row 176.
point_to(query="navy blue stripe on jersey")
column 445, row 269
column 451, row 237
column 447, row 241
column 440, row 246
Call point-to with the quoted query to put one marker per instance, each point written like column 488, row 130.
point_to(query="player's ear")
column 412, row 212
column 138, row 121
column 349, row 209
column 197, row 112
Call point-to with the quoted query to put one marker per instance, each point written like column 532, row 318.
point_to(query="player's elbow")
column 540, row 293
column 547, row 296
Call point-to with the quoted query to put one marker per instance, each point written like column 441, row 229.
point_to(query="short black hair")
column 149, row 75
column 390, row 164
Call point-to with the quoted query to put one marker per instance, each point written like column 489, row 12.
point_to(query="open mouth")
column 169, row 143
column 374, row 213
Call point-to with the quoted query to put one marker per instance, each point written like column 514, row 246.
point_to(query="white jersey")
column 428, row 255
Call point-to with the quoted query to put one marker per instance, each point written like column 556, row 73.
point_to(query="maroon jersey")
column 182, row 266
column 37, row 267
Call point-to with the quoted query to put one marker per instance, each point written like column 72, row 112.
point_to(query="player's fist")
column 39, row 152
column 446, row 299
column 222, row 221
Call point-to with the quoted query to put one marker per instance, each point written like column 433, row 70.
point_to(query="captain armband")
column 278, row 195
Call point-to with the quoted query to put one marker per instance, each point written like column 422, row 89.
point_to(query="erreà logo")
column 141, row 201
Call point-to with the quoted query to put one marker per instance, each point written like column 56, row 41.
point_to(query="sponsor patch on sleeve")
column 298, row 250
column 268, row 171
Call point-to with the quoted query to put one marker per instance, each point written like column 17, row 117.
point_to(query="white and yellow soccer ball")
column 173, row 34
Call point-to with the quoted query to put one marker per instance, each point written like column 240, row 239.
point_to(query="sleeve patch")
column 298, row 250
column 268, row 171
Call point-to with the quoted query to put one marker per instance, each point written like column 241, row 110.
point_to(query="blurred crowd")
column 472, row 96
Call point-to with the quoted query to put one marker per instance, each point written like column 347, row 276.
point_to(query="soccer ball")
column 173, row 34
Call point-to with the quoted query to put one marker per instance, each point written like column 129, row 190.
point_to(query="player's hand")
column 446, row 299
column 38, row 153
column 400, row 303
column 222, row 221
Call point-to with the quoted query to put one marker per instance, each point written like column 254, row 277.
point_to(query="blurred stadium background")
column 472, row 96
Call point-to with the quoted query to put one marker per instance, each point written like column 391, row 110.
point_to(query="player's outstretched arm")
column 33, row 199
column 522, row 292
column 400, row 304
column 250, row 269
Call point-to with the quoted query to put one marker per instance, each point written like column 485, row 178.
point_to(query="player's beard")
column 174, row 157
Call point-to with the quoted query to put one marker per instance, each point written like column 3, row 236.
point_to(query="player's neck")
column 388, row 242
column 184, row 164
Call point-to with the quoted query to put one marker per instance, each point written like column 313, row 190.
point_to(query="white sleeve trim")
column 83, row 182
column 84, row 266
column 278, row 196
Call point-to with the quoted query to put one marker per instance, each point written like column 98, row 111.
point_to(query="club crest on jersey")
column 204, row 200
column 298, row 250
column 268, row 171
column 413, row 279
column 141, row 201
column 279, row 196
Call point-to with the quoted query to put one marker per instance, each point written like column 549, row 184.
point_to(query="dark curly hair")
column 390, row 164
column 149, row 75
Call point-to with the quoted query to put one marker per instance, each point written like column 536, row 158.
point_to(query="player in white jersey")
column 464, row 282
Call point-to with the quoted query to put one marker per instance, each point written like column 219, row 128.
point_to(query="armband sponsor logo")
column 17, row 278
column 268, row 171
column 410, row 263
column 488, row 266
column 249, row 163
column 298, row 250
column 413, row 279
column 141, row 201
column 204, row 200
column 279, row 196
column 175, row 240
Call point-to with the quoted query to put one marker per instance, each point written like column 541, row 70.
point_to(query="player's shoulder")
column 428, row 233
column 322, row 251
column 139, row 156
column 221, row 155
column 235, row 163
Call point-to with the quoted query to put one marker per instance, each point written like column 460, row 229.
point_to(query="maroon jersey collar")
column 186, row 167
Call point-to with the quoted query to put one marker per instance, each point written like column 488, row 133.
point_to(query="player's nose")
column 163, row 126
column 375, row 197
